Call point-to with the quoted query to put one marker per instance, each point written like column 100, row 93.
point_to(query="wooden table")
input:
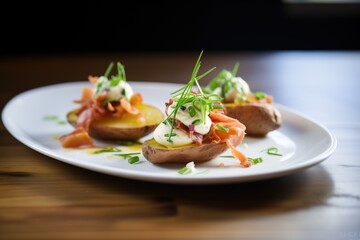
column 42, row 198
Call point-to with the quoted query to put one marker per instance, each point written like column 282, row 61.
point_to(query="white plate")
column 301, row 141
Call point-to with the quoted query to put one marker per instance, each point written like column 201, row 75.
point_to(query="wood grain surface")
column 42, row 198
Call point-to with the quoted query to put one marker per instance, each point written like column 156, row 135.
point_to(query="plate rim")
column 14, row 130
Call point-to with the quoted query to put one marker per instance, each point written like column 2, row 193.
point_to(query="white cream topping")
column 179, row 139
column 184, row 117
column 240, row 89
column 191, row 167
column 115, row 93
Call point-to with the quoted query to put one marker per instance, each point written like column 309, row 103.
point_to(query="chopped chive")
column 125, row 155
column 196, row 122
column 115, row 81
column 168, row 134
column 217, row 107
column 226, row 156
column 133, row 159
column 272, row 151
column 192, row 111
column 184, row 171
column 259, row 95
column 61, row 122
column 186, row 95
column 222, row 128
column 108, row 149
column 108, row 70
column 51, row 118
column 255, row 160
column 121, row 71
column 235, row 69
column 54, row 118
column 126, row 143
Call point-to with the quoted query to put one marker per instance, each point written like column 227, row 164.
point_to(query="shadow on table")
column 300, row 190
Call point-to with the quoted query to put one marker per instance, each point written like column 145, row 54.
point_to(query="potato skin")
column 111, row 133
column 107, row 132
column 158, row 154
column 259, row 119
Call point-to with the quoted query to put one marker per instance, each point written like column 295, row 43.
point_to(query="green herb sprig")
column 223, row 80
column 201, row 102
column 114, row 80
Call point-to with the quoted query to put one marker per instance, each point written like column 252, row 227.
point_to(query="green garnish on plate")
column 201, row 102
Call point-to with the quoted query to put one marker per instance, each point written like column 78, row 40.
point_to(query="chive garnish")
column 192, row 111
column 106, row 81
column 203, row 102
column 108, row 149
column 272, row 151
column 168, row 134
column 121, row 71
column 126, row 155
column 235, row 69
column 108, row 70
column 61, row 122
column 133, row 159
column 54, row 118
column 51, row 118
column 259, row 95
column 222, row 128
column 196, row 122
column 184, row 171
column 255, row 160
column 126, row 143
column 218, row 107
column 252, row 160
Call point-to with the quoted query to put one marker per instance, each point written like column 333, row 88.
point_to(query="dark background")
column 103, row 27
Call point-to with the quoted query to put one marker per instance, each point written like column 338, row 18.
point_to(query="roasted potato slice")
column 259, row 119
column 125, row 128
column 156, row 153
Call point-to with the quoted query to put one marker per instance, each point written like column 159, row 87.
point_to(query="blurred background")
column 58, row 27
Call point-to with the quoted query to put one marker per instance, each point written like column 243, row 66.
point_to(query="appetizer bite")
column 254, row 110
column 195, row 128
column 110, row 110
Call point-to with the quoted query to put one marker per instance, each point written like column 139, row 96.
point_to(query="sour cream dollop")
column 179, row 138
column 114, row 93
column 240, row 89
